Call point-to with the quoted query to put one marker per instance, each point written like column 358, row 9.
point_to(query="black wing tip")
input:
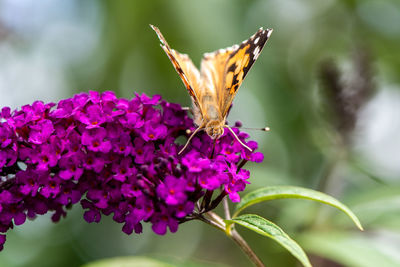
column 267, row 31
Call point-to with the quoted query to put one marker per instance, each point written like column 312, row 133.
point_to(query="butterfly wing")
column 213, row 69
column 186, row 70
column 226, row 69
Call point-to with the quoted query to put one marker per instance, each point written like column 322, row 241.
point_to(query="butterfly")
column 214, row 86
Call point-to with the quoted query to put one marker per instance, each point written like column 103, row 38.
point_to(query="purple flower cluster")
column 114, row 156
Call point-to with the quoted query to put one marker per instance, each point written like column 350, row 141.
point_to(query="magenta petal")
column 19, row 218
column 160, row 227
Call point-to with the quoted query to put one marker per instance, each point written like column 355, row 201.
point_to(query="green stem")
column 246, row 248
column 216, row 221
column 226, row 209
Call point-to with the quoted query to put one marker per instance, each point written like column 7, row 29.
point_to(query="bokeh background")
column 327, row 84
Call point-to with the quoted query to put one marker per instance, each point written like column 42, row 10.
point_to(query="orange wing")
column 213, row 69
column 226, row 69
column 187, row 71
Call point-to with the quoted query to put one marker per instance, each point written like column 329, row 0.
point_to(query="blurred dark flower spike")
column 114, row 156
column 4, row 32
column 347, row 93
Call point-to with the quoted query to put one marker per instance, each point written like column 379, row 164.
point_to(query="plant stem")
column 217, row 200
column 216, row 221
column 210, row 222
column 226, row 209
column 246, row 248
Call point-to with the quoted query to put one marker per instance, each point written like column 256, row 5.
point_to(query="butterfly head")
column 215, row 128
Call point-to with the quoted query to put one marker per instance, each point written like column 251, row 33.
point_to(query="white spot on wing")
column 232, row 48
column 256, row 52
column 256, row 40
column 269, row 32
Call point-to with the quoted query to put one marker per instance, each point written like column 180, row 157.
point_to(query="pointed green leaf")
column 266, row 228
column 278, row 192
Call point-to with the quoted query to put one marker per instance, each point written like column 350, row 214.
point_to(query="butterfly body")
column 211, row 119
column 214, row 87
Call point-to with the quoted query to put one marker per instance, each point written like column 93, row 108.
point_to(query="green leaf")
column 379, row 248
column 278, row 192
column 377, row 206
column 266, row 228
column 131, row 261
column 128, row 262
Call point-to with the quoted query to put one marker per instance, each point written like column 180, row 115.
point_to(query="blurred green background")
column 327, row 84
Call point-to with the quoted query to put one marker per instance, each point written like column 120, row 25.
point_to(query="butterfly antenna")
column 237, row 138
column 190, row 138
column 265, row 129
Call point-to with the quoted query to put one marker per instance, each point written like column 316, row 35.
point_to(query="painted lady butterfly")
column 214, row 87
